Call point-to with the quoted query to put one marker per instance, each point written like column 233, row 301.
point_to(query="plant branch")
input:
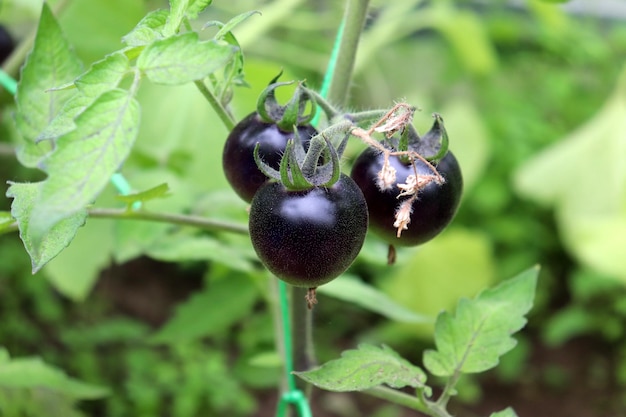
column 354, row 19
column 222, row 113
column 398, row 397
column 180, row 219
column 302, row 331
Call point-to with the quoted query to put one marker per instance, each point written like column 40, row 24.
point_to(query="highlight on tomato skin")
column 432, row 211
column 308, row 238
column 238, row 163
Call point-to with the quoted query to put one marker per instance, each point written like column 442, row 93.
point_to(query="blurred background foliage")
column 175, row 322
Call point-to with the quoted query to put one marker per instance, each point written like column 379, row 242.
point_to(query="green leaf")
column 232, row 23
column 85, row 159
column 159, row 191
column 183, row 247
column 176, row 16
column 76, row 270
column 51, row 63
column 51, row 244
column 364, row 368
column 219, row 306
column 33, row 373
column 590, row 203
column 480, row 332
column 148, row 29
column 353, row 290
column 508, row 412
column 196, row 7
column 183, row 58
column 103, row 76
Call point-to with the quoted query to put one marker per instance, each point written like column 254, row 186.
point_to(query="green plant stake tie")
column 118, row 180
column 293, row 395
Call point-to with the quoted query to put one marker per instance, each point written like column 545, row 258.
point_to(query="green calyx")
column 302, row 170
column 433, row 146
column 294, row 113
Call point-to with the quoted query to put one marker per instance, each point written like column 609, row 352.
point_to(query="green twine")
column 330, row 70
column 118, row 180
column 293, row 395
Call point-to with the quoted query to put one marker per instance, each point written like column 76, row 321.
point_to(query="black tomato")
column 308, row 238
column 238, row 158
column 433, row 210
column 6, row 44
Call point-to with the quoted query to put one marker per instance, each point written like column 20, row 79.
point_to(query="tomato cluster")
column 308, row 225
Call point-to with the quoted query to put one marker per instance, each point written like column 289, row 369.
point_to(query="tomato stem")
column 222, row 113
column 354, row 18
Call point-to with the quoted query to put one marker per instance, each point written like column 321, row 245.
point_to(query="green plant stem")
column 302, row 331
column 354, row 19
column 399, row 398
column 180, row 219
column 222, row 113
column 274, row 14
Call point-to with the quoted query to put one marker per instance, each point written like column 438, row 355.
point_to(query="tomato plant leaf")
column 364, row 368
column 176, row 16
column 355, row 291
column 183, row 58
column 148, row 29
column 196, row 7
column 33, row 373
column 159, row 191
column 507, row 412
column 480, row 332
column 182, row 247
column 101, row 77
column 52, row 62
column 232, row 23
column 50, row 245
column 85, row 159
column 223, row 303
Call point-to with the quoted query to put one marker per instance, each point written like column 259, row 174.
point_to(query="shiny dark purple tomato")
column 308, row 238
column 433, row 210
column 6, row 43
column 238, row 157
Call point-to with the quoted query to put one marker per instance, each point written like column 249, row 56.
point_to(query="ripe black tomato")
column 6, row 44
column 433, row 210
column 238, row 157
column 308, row 238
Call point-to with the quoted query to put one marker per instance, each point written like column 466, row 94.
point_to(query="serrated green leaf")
column 51, row 63
column 364, row 295
column 159, row 191
column 58, row 237
column 34, row 373
column 176, row 16
column 196, row 7
column 508, row 412
column 181, row 247
column 84, row 159
column 148, row 29
column 183, row 58
column 101, row 77
column 232, row 23
column 217, row 307
column 480, row 331
column 364, row 368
